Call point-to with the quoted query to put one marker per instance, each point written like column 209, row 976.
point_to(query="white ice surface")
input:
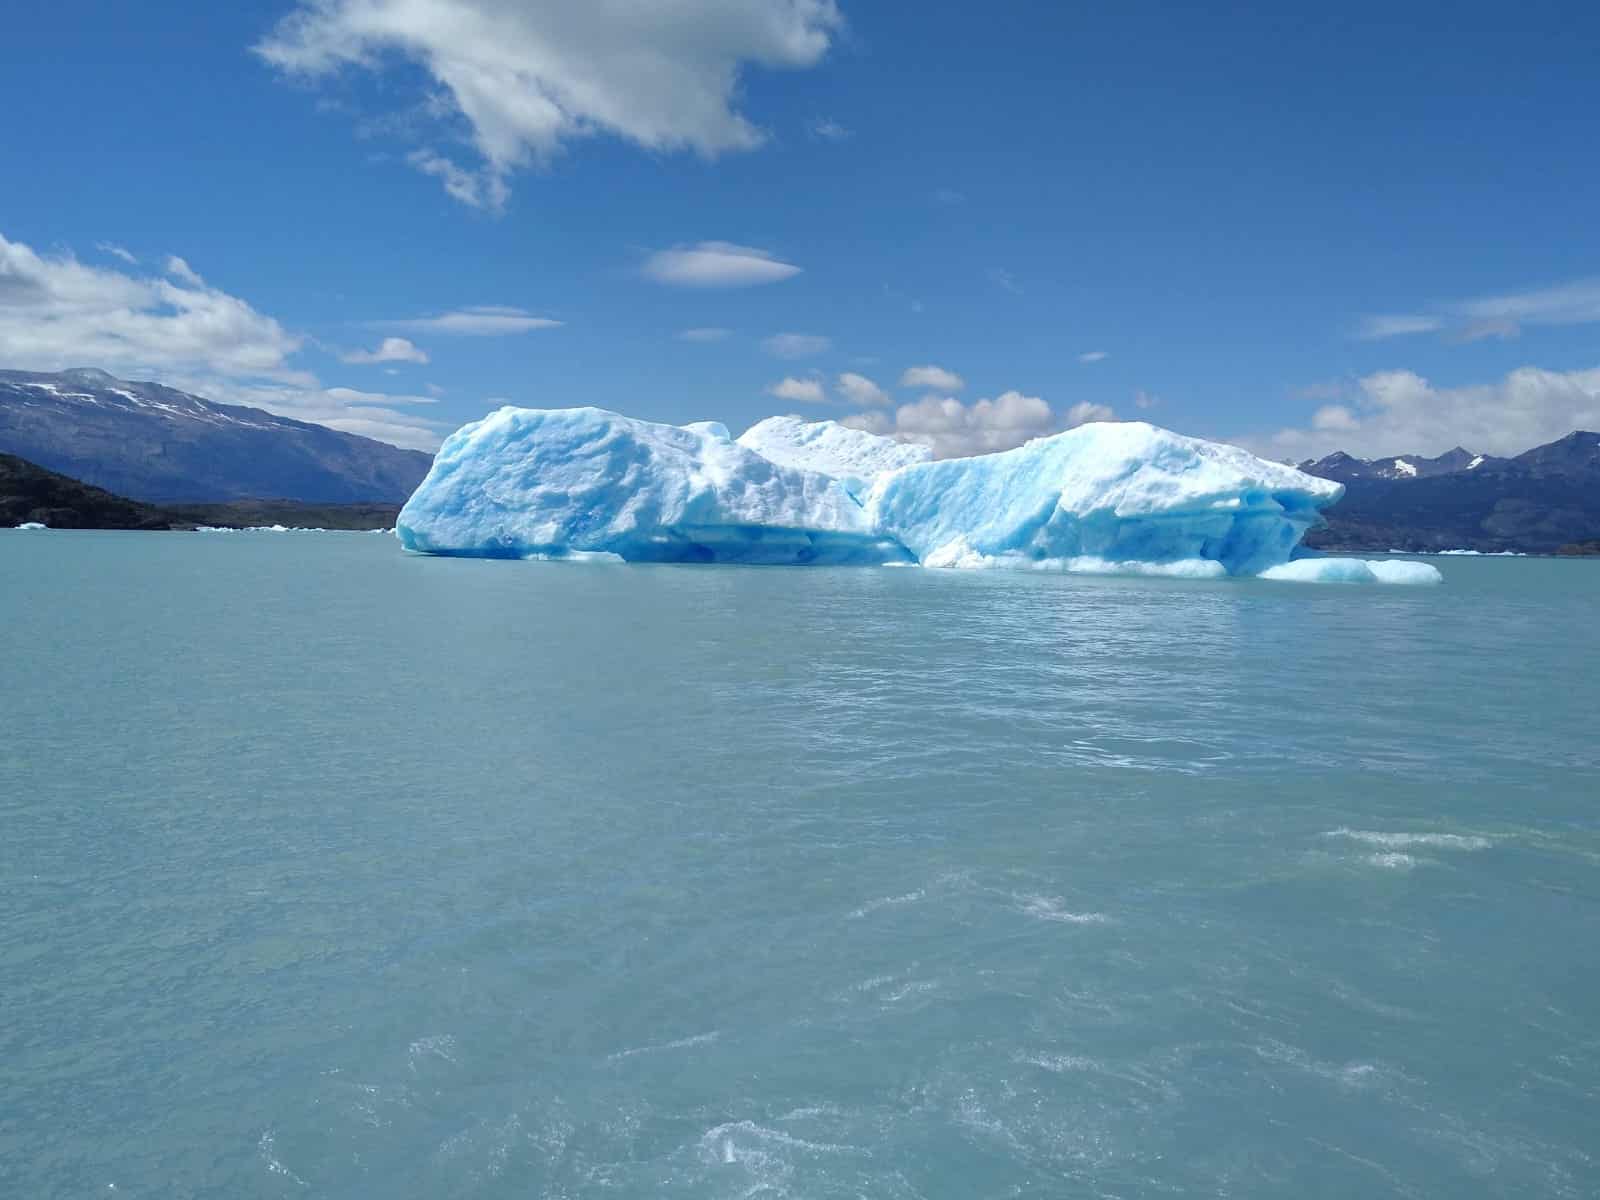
column 851, row 456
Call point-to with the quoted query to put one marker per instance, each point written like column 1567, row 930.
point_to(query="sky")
column 1302, row 228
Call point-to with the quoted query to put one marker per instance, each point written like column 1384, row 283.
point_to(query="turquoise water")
column 329, row 871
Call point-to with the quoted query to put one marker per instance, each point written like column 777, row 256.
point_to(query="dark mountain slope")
column 154, row 443
column 30, row 493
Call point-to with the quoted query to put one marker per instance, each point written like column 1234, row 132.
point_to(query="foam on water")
column 1402, row 841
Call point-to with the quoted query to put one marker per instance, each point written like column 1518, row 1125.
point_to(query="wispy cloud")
column 1005, row 280
column 1503, row 315
column 796, row 345
column 828, row 130
column 934, row 378
column 705, row 333
column 717, row 265
column 117, row 251
column 1093, row 356
column 1397, row 325
column 485, row 320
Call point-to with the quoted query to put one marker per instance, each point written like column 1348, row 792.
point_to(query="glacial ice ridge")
column 1123, row 497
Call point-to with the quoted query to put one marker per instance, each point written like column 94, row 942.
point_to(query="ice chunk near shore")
column 563, row 483
column 1104, row 493
column 853, row 457
column 33, row 525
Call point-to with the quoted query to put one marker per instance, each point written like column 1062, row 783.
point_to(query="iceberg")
column 1109, row 497
column 583, row 482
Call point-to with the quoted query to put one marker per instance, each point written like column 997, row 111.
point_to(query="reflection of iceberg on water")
column 1107, row 497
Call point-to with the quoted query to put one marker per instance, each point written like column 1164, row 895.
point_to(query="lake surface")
column 330, row 871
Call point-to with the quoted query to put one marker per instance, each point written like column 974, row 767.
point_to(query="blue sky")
column 1368, row 226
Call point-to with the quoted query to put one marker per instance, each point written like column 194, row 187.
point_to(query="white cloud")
column 1377, row 328
column 117, row 251
column 937, row 378
column 796, row 345
column 1400, row 412
column 1093, row 356
column 954, row 430
column 828, row 130
column 705, row 334
column 391, row 349
column 56, row 312
column 859, row 390
column 717, row 264
column 1144, row 399
column 528, row 78
column 483, row 320
column 1503, row 316
column 183, row 272
column 801, row 391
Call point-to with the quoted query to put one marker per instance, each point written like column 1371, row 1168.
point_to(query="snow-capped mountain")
column 1537, row 501
column 155, row 443
column 1346, row 467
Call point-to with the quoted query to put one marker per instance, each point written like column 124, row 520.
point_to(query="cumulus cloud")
column 705, row 334
column 1093, row 356
column 801, row 391
column 936, row 378
column 954, row 430
column 1504, row 315
column 796, row 345
column 391, row 349
column 528, row 78
column 484, row 320
column 1400, row 412
column 56, row 312
column 717, row 264
column 861, row 391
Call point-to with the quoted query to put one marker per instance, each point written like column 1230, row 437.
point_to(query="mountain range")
column 1542, row 501
column 156, row 444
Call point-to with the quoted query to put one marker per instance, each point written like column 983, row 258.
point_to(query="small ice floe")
column 1353, row 570
column 33, row 525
